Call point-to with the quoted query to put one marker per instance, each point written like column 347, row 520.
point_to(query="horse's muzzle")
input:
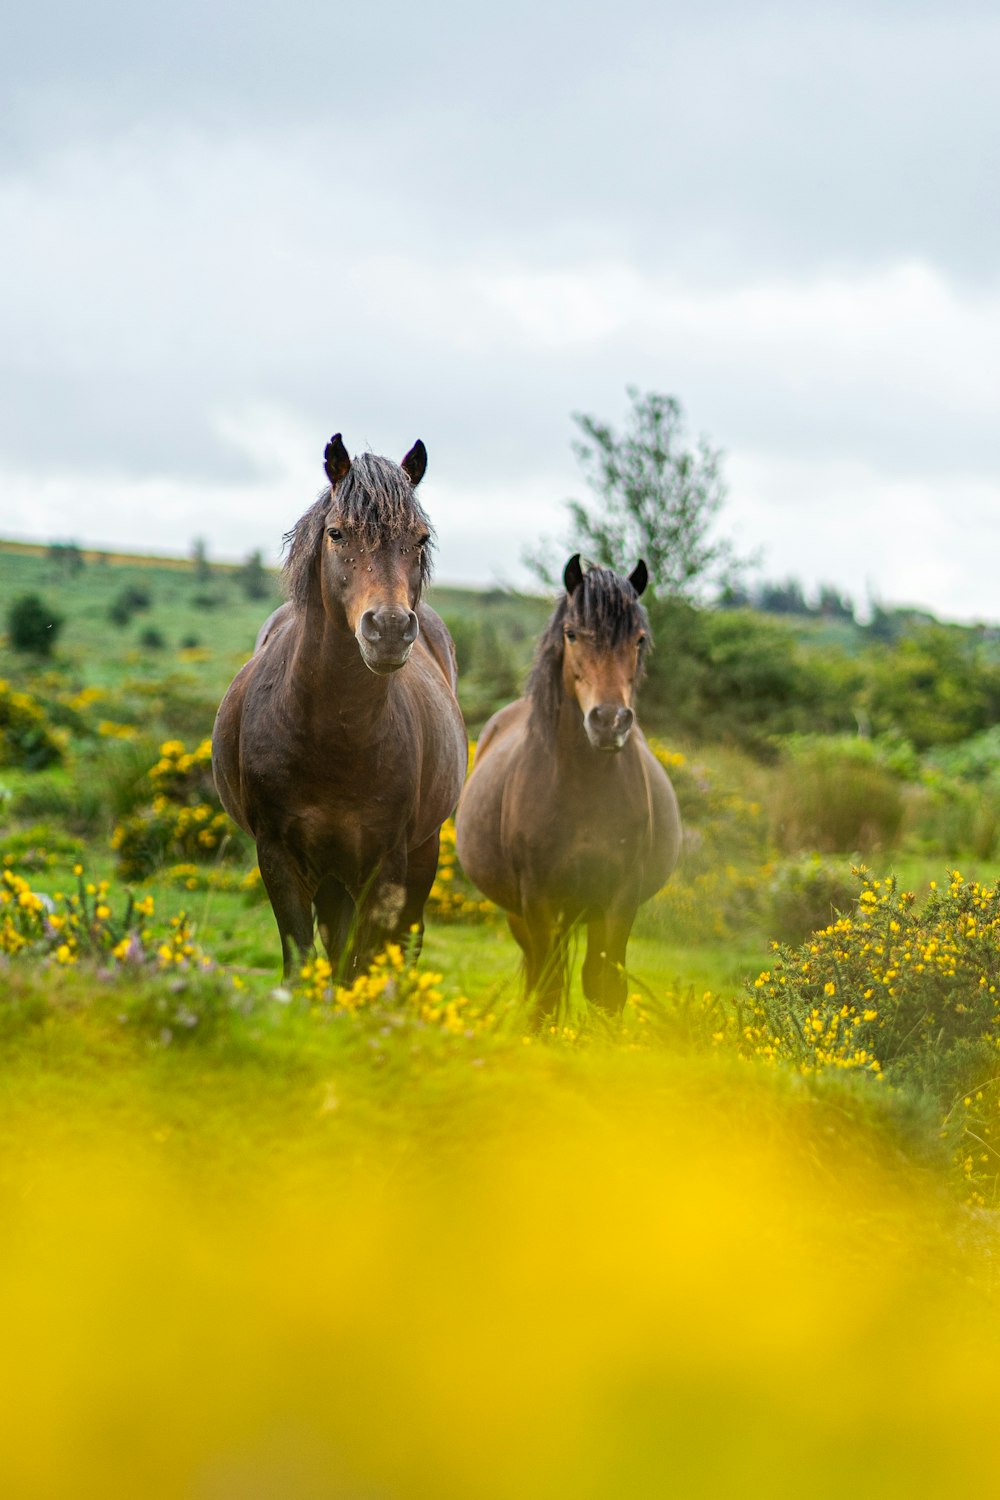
column 608, row 725
column 386, row 637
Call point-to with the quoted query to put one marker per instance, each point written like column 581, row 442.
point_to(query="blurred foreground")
column 472, row 1266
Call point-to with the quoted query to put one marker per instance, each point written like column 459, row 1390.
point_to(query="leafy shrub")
column 953, row 817
column 909, row 994
column 40, row 847
column 452, row 896
column 974, row 759
column 836, row 795
column 26, row 737
column 184, row 819
column 129, row 600
column 808, row 894
column 719, row 889
column 33, row 625
column 152, row 639
column 937, row 686
column 739, row 677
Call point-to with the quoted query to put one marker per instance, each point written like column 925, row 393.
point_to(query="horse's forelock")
column 608, row 606
column 376, row 500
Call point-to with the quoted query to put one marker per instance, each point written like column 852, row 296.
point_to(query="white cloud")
column 185, row 319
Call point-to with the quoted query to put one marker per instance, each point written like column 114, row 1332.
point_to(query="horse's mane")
column 603, row 604
column 375, row 499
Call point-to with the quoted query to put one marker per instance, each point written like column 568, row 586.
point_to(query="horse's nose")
column 390, row 626
column 608, row 725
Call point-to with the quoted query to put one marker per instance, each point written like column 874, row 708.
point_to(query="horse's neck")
column 338, row 694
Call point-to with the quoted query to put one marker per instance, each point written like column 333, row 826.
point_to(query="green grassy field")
column 261, row 1241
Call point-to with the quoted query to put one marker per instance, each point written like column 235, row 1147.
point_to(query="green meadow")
column 390, row 1238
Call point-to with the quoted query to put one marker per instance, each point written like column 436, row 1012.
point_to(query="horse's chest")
column 584, row 862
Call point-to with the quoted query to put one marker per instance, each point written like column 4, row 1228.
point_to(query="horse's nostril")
column 625, row 720
column 369, row 627
column 411, row 629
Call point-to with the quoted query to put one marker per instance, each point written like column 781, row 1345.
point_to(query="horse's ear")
column 639, row 576
column 573, row 574
column 337, row 459
column 414, row 465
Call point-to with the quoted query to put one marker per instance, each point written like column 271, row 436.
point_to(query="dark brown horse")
column 567, row 816
column 340, row 747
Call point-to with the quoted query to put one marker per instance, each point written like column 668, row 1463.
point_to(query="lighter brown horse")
column 567, row 816
column 340, row 747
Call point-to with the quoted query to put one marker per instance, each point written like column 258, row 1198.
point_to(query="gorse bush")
column 908, row 993
column 81, row 923
column 27, row 737
column 184, row 819
column 453, row 897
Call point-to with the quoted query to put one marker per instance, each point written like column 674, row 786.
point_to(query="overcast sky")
column 227, row 231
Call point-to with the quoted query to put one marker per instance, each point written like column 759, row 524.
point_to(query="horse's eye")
column 334, row 534
column 422, row 542
column 571, row 635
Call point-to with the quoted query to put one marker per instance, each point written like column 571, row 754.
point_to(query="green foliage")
column 836, row 795
column 32, row 625
column 718, row 891
column 658, row 498
column 183, row 820
column 738, row 677
column 67, row 556
column 911, row 994
column 939, row 685
column 807, row 894
column 26, row 737
column 254, row 579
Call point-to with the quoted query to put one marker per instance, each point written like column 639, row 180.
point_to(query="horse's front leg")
column 291, row 903
column 544, row 942
column 603, row 975
column 337, row 917
column 381, row 905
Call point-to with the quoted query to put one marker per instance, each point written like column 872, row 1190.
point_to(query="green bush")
column 951, row 817
column 27, row 738
column 32, row 625
column 836, row 795
column 808, row 894
column 740, row 677
column 183, row 819
column 905, row 993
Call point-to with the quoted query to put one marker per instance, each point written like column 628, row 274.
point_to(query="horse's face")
column 601, row 670
column 375, row 587
column 373, row 562
column 603, row 683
